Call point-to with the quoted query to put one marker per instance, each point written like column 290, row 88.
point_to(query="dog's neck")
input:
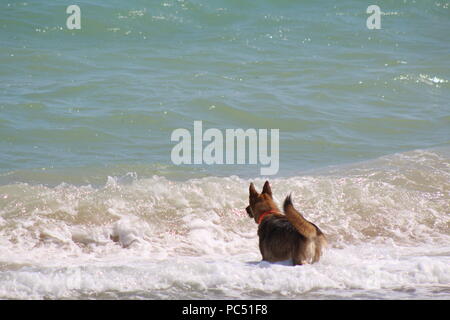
column 265, row 214
column 268, row 207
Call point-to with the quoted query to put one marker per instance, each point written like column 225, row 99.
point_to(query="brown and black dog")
column 284, row 236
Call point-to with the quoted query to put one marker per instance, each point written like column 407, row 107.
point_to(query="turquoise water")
column 111, row 93
column 86, row 118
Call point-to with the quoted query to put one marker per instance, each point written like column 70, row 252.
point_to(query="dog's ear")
column 252, row 190
column 267, row 189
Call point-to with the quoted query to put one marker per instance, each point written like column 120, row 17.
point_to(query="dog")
column 284, row 236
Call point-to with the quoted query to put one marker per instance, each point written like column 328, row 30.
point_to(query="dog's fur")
column 284, row 236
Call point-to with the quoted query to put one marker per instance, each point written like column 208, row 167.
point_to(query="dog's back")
column 311, row 250
column 277, row 239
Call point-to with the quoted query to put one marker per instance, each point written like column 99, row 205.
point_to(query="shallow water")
column 387, row 222
column 91, row 206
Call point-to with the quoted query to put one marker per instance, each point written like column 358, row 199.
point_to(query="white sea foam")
column 386, row 220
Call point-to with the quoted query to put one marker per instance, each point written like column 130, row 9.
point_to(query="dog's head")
column 259, row 202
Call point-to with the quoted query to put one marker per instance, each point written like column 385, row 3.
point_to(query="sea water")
column 92, row 207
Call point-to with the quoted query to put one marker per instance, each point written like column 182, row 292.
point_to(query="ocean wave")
column 384, row 214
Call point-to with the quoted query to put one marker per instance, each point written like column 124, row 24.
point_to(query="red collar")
column 263, row 215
